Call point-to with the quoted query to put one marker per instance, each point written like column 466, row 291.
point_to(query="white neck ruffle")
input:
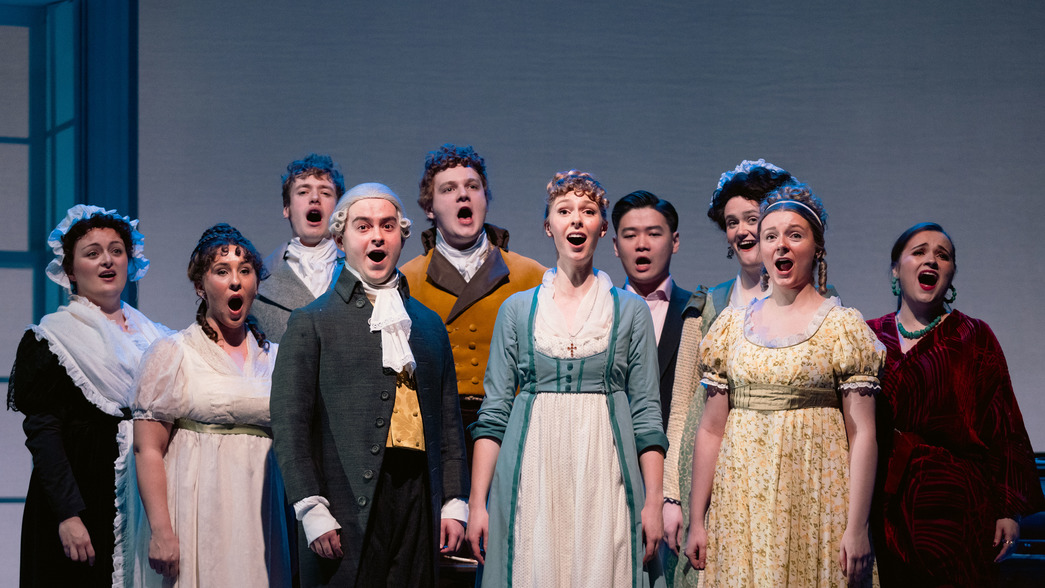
column 466, row 261
column 314, row 265
column 390, row 317
column 100, row 357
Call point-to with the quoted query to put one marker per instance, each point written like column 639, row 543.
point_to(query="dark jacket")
column 331, row 407
column 668, row 347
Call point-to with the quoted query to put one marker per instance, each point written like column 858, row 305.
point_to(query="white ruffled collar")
column 390, row 317
column 100, row 357
column 466, row 261
column 595, row 312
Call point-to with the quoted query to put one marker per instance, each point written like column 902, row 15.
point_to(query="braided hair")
column 798, row 198
column 221, row 238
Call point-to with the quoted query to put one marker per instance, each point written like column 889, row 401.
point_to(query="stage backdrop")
column 894, row 112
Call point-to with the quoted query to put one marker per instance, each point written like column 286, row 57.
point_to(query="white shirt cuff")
column 315, row 517
column 455, row 508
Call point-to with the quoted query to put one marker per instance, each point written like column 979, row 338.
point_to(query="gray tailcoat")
column 331, row 407
column 281, row 293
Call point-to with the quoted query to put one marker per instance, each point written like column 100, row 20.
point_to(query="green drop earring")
column 896, row 286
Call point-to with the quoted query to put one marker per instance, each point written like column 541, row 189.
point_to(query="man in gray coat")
column 365, row 416
column 304, row 267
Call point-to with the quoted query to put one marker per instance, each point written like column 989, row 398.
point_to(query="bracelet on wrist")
column 672, row 501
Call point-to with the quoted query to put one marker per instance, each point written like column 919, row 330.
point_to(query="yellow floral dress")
column 780, row 496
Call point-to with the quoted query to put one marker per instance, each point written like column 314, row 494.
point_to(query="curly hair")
column 798, row 198
column 753, row 185
column 221, row 238
column 443, row 158
column 313, row 165
column 81, row 228
column 339, row 218
column 583, row 183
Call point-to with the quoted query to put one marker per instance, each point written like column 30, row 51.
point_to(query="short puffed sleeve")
column 857, row 356
column 160, row 394
column 715, row 350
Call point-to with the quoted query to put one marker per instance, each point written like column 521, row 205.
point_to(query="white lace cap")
column 137, row 264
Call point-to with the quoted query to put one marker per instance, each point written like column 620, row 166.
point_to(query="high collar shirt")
column 658, row 301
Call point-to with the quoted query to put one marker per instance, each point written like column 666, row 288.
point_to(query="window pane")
column 16, row 290
column 14, row 196
column 63, row 56
column 64, row 170
column 14, row 91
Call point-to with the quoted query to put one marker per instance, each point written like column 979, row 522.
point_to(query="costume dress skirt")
column 74, row 379
column 74, row 447
column 224, row 490
column 565, row 499
column 780, row 495
column 954, row 456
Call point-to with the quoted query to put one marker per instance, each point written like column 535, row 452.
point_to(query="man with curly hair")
column 304, row 267
column 466, row 271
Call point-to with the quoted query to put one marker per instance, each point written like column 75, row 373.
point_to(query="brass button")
column 475, row 380
column 473, row 328
column 472, row 345
column 475, row 361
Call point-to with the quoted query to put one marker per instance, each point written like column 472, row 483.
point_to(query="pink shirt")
column 658, row 301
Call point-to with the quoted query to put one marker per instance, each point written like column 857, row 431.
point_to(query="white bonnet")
column 137, row 264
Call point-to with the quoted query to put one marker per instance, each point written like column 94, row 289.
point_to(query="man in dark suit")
column 304, row 267
column 365, row 416
column 646, row 229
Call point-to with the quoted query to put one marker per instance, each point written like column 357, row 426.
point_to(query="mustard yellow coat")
column 469, row 309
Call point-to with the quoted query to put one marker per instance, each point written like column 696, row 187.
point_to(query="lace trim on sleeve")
column 865, row 388
column 714, row 388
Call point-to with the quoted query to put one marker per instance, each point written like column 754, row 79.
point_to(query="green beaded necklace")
column 920, row 332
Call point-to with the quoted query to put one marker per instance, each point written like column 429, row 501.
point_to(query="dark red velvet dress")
column 954, row 456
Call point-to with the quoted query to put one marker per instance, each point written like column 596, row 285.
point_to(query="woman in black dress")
column 73, row 379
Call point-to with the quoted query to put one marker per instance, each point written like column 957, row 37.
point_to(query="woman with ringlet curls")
column 785, row 454
column 957, row 470
column 572, row 465
column 734, row 209
column 203, row 446
column 73, row 378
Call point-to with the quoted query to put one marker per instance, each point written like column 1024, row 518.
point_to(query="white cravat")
column 389, row 316
column 466, row 261
column 314, row 265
